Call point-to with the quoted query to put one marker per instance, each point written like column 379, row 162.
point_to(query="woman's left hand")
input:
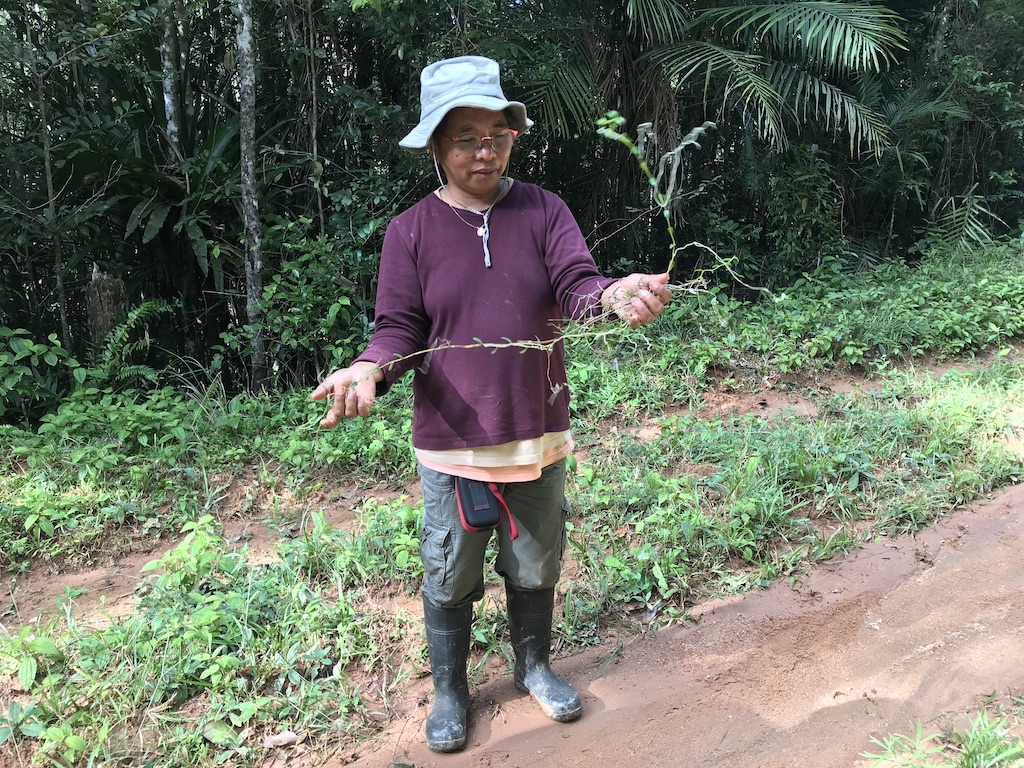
column 637, row 298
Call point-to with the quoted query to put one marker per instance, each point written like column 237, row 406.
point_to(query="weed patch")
column 986, row 741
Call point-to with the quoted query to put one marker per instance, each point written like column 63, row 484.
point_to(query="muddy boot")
column 529, row 618
column 448, row 645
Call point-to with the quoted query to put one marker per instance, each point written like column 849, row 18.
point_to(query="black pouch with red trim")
column 478, row 505
column 481, row 506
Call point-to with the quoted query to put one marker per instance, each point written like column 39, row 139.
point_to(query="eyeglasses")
column 470, row 143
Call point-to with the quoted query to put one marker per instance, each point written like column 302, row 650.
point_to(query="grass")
column 990, row 738
column 249, row 647
column 774, row 494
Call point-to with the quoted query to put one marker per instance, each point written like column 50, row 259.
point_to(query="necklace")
column 479, row 230
column 444, row 192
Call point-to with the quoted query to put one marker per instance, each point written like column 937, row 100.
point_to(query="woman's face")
column 472, row 175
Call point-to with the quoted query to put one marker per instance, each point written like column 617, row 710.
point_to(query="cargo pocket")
column 436, row 554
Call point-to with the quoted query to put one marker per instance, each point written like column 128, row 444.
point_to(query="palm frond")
column 872, row 88
column 961, row 223
column 658, row 21
column 911, row 181
column 866, row 253
column 809, row 94
column 566, row 99
column 837, row 37
column 745, row 84
column 910, row 107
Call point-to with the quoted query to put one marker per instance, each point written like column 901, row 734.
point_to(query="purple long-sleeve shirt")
column 434, row 290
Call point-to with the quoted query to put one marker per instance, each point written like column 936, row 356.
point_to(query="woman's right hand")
column 352, row 391
column 637, row 299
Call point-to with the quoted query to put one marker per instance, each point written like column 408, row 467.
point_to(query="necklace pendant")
column 479, row 231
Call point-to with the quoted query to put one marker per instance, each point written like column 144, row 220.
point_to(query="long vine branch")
column 609, row 127
column 668, row 170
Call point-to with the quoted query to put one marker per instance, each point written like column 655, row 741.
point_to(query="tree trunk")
column 250, row 200
column 169, row 76
column 51, row 208
column 313, row 117
column 941, row 28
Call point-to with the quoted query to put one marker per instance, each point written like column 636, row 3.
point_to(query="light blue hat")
column 465, row 81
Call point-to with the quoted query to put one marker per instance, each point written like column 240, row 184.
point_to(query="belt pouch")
column 479, row 504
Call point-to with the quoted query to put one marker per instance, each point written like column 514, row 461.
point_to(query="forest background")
column 194, row 196
column 220, row 174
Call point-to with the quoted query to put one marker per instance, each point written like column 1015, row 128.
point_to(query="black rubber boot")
column 448, row 645
column 529, row 618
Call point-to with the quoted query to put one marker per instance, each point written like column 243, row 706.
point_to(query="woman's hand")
column 352, row 391
column 637, row 299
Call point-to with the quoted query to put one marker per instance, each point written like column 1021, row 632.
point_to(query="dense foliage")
column 847, row 133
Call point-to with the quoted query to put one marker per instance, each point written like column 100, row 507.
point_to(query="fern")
column 114, row 363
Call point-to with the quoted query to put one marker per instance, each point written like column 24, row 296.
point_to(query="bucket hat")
column 465, row 81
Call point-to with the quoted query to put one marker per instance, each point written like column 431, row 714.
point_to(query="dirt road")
column 917, row 629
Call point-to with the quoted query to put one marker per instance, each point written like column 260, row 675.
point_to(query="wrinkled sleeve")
column 571, row 268
column 400, row 321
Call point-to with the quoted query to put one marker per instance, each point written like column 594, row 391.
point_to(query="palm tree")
column 765, row 72
column 786, row 65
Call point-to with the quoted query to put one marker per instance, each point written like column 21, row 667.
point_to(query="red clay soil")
column 916, row 629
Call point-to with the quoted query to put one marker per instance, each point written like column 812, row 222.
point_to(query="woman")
column 485, row 258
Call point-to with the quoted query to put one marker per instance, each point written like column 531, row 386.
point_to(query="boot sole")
column 559, row 716
column 446, row 746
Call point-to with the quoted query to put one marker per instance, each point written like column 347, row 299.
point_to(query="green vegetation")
column 154, row 360
column 223, row 648
column 988, row 740
column 848, row 132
